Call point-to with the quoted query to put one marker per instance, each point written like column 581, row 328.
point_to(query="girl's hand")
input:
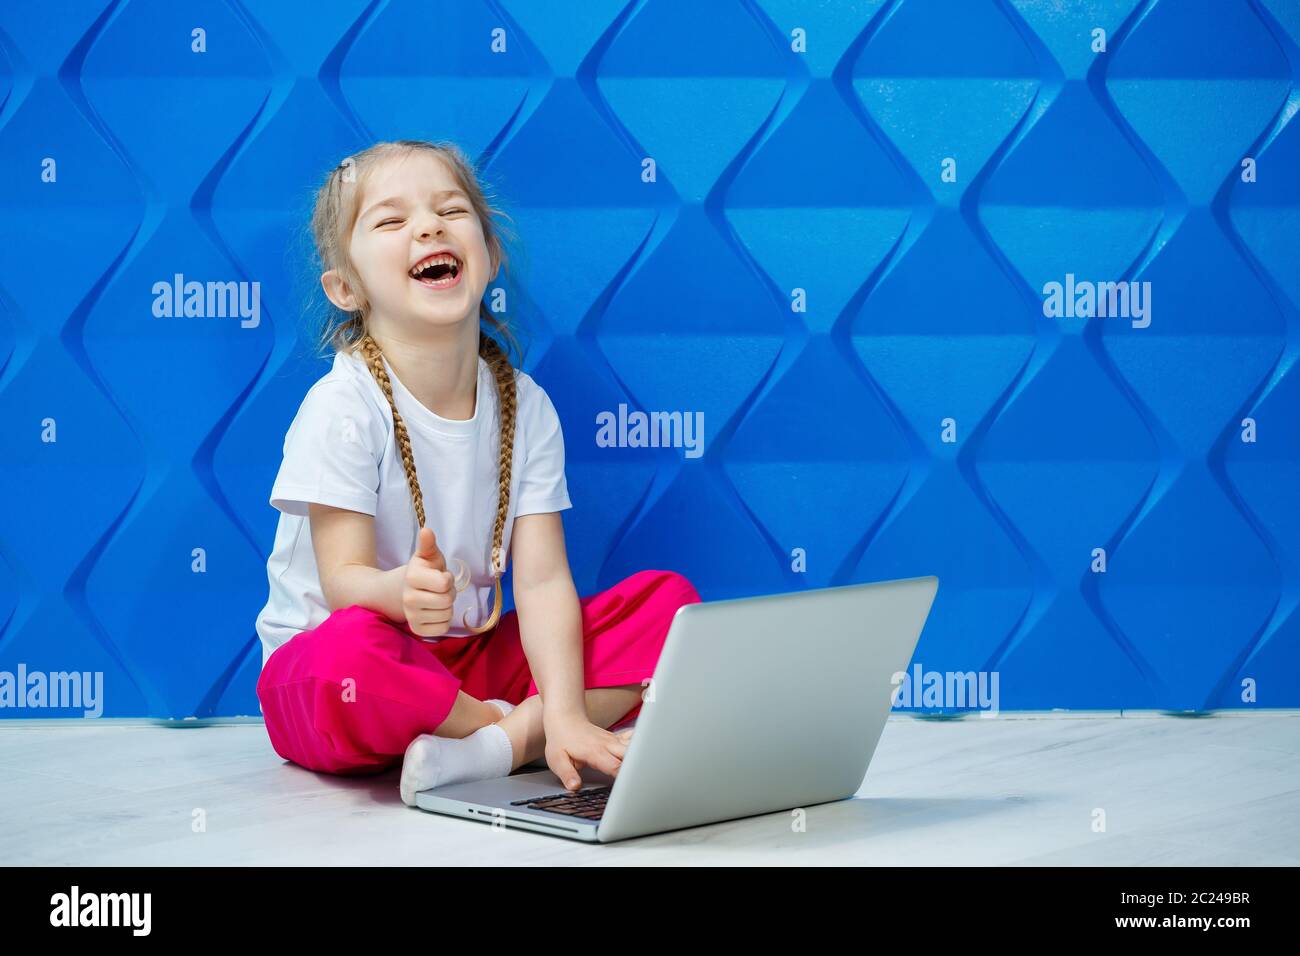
column 574, row 743
column 428, row 588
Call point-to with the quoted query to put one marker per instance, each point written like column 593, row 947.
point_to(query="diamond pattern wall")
column 830, row 228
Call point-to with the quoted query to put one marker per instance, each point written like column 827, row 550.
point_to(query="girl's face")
column 411, row 208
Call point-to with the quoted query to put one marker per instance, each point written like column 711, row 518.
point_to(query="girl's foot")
column 431, row 761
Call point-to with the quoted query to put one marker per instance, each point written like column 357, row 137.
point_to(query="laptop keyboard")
column 588, row 804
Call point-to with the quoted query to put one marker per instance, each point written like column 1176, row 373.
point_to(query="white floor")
column 1016, row 789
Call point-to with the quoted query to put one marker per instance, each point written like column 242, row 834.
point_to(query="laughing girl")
column 413, row 471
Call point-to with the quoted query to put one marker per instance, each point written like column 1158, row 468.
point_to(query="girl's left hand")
column 575, row 743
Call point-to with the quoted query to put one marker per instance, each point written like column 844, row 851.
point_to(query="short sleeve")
column 542, row 485
column 330, row 454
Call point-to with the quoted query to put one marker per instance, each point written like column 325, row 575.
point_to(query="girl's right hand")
column 428, row 588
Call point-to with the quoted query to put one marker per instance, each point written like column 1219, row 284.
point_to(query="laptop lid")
column 766, row 703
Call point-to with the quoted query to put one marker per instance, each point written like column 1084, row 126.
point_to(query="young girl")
column 413, row 469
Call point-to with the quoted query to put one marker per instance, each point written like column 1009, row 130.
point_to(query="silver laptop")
column 757, row 704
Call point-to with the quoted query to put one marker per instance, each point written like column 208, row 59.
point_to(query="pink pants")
column 399, row 687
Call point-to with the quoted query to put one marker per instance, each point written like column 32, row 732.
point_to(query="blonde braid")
column 374, row 358
column 500, row 365
column 504, row 373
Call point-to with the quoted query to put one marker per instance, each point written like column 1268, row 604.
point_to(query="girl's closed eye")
column 447, row 213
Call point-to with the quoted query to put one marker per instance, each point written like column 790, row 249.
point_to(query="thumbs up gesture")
column 428, row 589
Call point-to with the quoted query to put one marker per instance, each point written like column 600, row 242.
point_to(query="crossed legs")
column 523, row 725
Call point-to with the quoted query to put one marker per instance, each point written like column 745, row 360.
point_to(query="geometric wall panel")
column 843, row 262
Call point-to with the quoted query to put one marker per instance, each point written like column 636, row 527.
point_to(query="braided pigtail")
column 374, row 359
column 504, row 374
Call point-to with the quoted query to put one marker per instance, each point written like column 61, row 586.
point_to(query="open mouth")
column 438, row 272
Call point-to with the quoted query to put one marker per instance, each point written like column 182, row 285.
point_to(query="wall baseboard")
column 191, row 723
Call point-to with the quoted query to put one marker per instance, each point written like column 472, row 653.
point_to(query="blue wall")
column 775, row 170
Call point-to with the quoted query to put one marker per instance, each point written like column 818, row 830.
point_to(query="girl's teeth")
column 449, row 260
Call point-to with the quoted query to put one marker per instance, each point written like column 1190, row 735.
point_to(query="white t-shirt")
column 340, row 450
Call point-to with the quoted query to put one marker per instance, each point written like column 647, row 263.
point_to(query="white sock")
column 502, row 705
column 433, row 761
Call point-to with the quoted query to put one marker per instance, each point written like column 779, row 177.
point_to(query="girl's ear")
column 337, row 290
